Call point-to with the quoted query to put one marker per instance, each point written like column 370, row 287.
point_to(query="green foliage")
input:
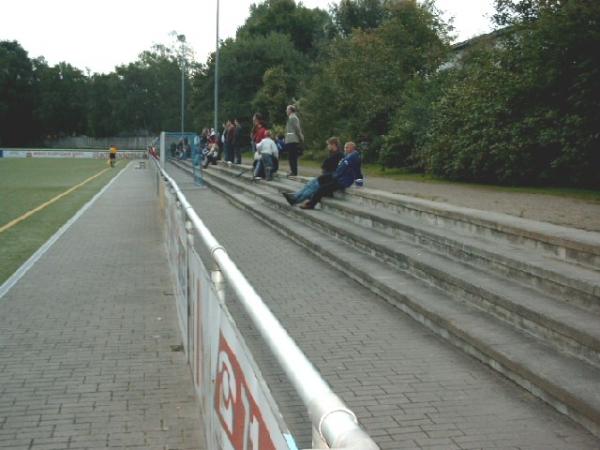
column 273, row 97
column 60, row 98
column 526, row 112
column 349, row 15
column 304, row 26
column 149, row 92
column 38, row 100
column 402, row 146
column 360, row 79
column 242, row 71
column 16, row 94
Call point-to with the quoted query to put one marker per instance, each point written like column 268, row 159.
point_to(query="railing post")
column 189, row 227
column 218, row 280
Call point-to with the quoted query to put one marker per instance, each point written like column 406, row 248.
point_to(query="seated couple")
column 339, row 172
column 266, row 158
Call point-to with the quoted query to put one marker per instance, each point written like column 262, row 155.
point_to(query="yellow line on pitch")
column 12, row 223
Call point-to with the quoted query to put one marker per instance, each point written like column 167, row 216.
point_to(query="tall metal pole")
column 182, row 94
column 181, row 38
column 217, row 74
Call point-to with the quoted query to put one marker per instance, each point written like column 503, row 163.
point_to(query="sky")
column 101, row 34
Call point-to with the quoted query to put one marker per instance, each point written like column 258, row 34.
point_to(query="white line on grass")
column 15, row 277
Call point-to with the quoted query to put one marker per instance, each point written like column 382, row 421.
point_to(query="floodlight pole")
column 217, row 74
column 181, row 38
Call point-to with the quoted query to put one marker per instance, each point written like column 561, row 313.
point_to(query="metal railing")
column 335, row 426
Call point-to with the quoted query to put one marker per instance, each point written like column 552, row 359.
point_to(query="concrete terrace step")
column 568, row 244
column 571, row 283
column 563, row 326
column 569, row 384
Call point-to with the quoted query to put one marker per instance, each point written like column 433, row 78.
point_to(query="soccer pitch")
column 37, row 196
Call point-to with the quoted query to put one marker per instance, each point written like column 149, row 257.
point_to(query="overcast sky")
column 99, row 35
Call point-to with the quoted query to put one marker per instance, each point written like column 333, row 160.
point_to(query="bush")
column 528, row 111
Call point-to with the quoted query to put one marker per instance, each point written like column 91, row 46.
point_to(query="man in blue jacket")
column 347, row 171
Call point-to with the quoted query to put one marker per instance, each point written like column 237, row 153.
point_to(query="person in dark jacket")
column 237, row 142
column 347, row 171
column 327, row 168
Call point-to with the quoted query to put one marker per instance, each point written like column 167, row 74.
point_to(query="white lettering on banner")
column 240, row 416
column 227, row 392
column 250, row 427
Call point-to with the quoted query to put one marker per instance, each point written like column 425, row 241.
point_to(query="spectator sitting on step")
column 346, row 173
column 327, row 168
column 267, row 149
column 211, row 153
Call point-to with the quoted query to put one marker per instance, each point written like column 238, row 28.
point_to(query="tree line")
column 521, row 106
column 38, row 101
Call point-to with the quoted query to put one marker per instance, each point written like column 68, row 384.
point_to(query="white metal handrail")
column 335, row 424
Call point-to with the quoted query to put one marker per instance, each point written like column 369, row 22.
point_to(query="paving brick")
column 382, row 363
column 79, row 330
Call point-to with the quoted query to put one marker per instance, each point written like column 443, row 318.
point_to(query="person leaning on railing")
column 347, row 172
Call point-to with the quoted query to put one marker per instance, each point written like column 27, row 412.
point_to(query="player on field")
column 112, row 155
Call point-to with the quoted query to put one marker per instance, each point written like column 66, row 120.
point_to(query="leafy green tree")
column 274, row 95
column 242, row 67
column 304, row 26
column 361, row 78
column 60, row 98
column 403, row 144
column 349, row 15
column 103, row 97
column 527, row 110
column 16, row 94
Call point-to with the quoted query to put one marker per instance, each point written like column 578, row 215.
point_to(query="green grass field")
column 28, row 183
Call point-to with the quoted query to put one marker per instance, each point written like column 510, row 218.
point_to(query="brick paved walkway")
column 409, row 388
column 86, row 335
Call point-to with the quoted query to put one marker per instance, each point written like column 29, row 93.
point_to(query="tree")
column 16, row 94
column 305, row 27
column 526, row 111
column 103, row 98
column 362, row 76
column 274, row 95
column 363, row 15
column 60, row 98
column 242, row 67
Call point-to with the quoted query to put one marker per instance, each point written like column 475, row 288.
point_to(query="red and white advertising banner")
column 176, row 240
column 238, row 410
column 237, row 406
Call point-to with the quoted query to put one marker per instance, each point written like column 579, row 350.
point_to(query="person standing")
column 112, row 155
column 259, row 130
column 294, row 139
column 229, row 140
